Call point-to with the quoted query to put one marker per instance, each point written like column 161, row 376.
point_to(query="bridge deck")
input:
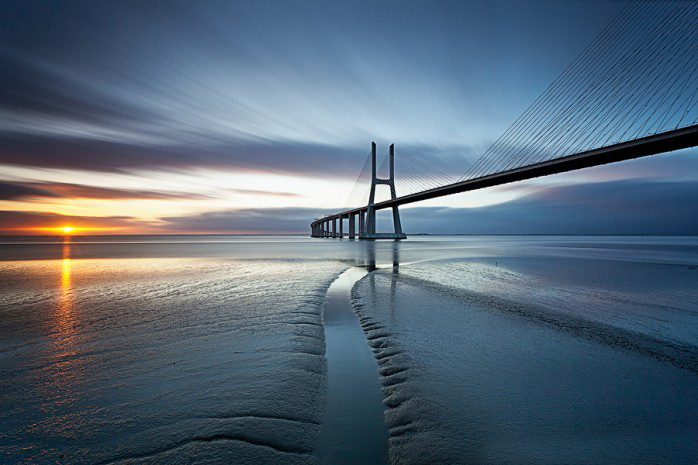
column 650, row 145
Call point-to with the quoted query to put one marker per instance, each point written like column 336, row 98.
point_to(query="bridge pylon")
column 368, row 231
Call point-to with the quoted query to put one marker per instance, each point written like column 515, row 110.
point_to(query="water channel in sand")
column 353, row 427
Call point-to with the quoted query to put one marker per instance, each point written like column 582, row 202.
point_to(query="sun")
column 68, row 230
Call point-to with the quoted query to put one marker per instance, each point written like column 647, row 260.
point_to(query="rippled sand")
column 536, row 361
column 168, row 360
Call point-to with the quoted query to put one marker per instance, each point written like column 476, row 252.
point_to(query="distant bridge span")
column 332, row 225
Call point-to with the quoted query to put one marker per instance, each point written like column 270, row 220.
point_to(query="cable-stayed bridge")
column 631, row 93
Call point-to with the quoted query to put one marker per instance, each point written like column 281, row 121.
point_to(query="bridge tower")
column 368, row 231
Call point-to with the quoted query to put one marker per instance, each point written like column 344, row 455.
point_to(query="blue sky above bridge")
column 142, row 117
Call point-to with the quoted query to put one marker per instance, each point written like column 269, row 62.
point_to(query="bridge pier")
column 369, row 229
column 370, row 223
column 327, row 227
column 397, row 226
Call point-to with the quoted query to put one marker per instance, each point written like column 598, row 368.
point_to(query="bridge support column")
column 370, row 223
column 369, row 231
column 327, row 227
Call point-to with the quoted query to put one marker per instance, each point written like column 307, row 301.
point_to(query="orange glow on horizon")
column 68, row 230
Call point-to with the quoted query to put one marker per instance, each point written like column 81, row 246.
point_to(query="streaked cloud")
column 257, row 116
column 29, row 190
column 271, row 83
column 15, row 191
column 18, row 222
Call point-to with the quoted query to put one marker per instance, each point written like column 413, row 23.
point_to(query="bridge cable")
column 565, row 120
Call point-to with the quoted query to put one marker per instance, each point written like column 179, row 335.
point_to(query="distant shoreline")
column 308, row 235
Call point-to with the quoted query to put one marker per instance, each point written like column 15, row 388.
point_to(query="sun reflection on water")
column 65, row 299
column 65, row 370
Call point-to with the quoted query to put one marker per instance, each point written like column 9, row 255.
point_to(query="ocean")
column 436, row 349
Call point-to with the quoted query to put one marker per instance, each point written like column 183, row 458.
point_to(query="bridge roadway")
column 651, row 145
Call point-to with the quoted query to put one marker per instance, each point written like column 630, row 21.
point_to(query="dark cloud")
column 16, row 191
column 251, row 221
column 28, row 190
column 87, row 154
column 34, row 91
column 619, row 207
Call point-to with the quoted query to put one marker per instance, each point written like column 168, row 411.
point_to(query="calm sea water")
column 212, row 349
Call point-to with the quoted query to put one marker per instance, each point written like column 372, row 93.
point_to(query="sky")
column 179, row 117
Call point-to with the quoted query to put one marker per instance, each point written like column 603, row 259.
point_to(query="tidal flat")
column 218, row 349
